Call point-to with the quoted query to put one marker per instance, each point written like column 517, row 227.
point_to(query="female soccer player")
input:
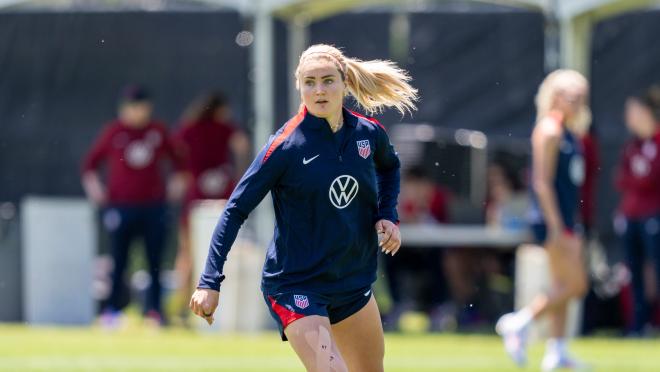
column 557, row 174
column 334, row 179
column 638, row 180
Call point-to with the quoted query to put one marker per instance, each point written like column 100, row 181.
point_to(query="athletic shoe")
column 154, row 319
column 443, row 318
column 556, row 361
column 111, row 319
column 514, row 336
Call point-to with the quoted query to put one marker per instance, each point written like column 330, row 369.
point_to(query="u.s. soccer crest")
column 301, row 301
column 363, row 148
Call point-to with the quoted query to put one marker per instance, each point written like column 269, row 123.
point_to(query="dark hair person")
column 134, row 204
column 638, row 180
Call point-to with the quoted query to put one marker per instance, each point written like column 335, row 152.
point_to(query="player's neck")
column 336, row 121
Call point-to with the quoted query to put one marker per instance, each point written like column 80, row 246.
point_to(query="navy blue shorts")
column 288, row 307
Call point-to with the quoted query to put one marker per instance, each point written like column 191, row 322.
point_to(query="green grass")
column 143, row 349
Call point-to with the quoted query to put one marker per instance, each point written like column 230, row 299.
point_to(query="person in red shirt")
column 638, row 180
column 134, row 149
column 217, row 154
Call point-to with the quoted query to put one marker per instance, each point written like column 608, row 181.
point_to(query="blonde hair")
column 552, row 85
column 374, row 84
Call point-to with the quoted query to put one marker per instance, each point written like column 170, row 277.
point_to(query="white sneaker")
column 556, row 361
column 111, row 320
column 514, row 337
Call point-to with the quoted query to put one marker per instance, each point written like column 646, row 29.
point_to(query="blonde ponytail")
column 374, row 84
column 377, row 84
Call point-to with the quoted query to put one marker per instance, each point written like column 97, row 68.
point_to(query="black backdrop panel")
column 60, row 74
column 478, row 70
column 361, row 35
column 282, row 77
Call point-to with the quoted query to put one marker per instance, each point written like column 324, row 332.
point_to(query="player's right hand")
column 204, row 302
column 561, row 239
column 99, row 199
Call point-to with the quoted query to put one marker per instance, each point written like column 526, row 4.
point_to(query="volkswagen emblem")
column 342, row 191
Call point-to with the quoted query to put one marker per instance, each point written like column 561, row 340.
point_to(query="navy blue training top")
column 327, row 197
column 569, row 176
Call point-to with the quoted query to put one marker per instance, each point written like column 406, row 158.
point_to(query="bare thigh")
column 567, row 264
column 311, row 338
column 360, row 339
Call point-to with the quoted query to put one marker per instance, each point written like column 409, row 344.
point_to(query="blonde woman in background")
column 557, row 174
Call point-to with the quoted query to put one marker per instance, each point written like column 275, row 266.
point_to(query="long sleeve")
column 387, row 176
column 258, row 180
column 623, row 177
column 98, row 152
column 175, row 150
column 181, row 140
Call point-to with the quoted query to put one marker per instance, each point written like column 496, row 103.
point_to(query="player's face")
column 222, row 113
column 135, row 114
column 639, row 119
column 571, row 99
column 321, row 88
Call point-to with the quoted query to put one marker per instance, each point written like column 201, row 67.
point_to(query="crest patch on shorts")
column 301, row 301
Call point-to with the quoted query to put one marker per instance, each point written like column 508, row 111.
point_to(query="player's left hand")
column 389, row 236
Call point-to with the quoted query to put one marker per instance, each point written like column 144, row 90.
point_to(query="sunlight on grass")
column 139, row 348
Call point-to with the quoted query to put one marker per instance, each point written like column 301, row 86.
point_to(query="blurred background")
column 65, row 66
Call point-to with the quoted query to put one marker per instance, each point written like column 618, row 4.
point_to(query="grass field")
column 144, row 349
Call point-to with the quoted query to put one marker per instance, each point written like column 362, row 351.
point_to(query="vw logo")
column 342, row 191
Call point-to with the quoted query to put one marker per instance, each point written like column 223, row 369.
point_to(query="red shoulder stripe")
column 289, row 127
column 371, row 120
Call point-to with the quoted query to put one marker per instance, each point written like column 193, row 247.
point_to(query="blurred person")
column 135, row 148
column 475, row 276
column 507, row 204
column 334, row 179
column 421, row 201
column 563, row 116
column 638, row 180
column 217, row 152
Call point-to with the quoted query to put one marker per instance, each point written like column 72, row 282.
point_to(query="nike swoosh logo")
column 307, row 161
column 367, row 293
